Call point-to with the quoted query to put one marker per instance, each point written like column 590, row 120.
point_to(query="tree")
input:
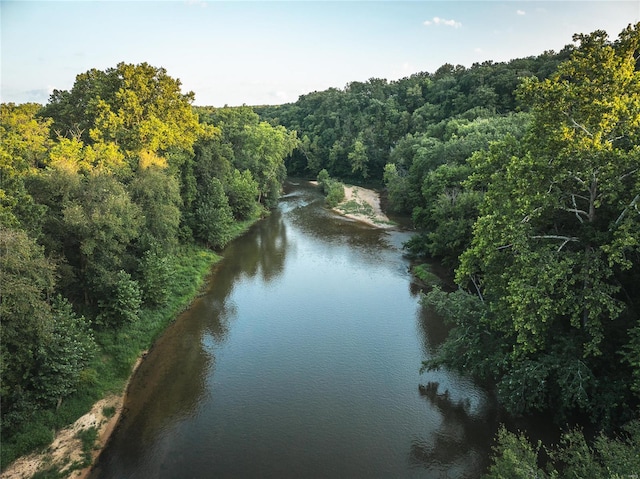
column 263, row 152
column 120, row 300
column 358, row 158
column 557, row 237
column 157, row 193
column 63, row 354
column 137, row 107
column 24, row 145
column 99, row 225
column 242, row 191
column 213, row 215
column 156, row 275
column 26, row 281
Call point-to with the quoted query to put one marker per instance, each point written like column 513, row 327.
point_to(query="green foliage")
column 121, row 303
column 88, row 439
column 335, row 194
column 603, row 458
column 157, row 193
column 424, row 273
column 138, row 107
column 213, row 216
column 24, row 144
column 354, row 132
column 27, row 279
column 396, row 182
column 333, row 190
column 359, row 159
column 472, row 347
column 97, row 191
column 255, row 146
column 323, row 180
column 242, row 191
column 65, row 352
column 547, row 256
column 515, row 458
column 157, row 275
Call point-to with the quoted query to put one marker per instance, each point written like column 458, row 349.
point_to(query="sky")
column 271, row 52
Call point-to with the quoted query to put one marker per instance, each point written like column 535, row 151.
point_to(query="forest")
column 523, row 178
column 113, row 195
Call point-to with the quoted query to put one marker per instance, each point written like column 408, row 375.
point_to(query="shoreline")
column 363, row 205
column 66, row 450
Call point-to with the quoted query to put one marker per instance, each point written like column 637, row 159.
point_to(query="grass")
column 353, row 207
column 423, row 273
column 88, row 439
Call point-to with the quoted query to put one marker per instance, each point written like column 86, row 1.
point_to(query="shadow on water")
column 302, row 360
column 459, row 447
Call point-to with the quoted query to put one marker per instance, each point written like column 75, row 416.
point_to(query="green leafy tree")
column 213, row 215
column 515, row 458
column 359, row 159
column 602, row 458
column 557, row 237
column 156, row 276
column 26, row 281
column 24, row 146
column 120, row 301
column 264, row 149
column 99, row 225
column 63, row 355
column 157, row 193
column 242, row 191
column 137, row 107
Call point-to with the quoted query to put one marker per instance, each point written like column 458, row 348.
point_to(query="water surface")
column 302, row 360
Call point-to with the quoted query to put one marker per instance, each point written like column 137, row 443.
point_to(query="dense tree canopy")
column 98, row 190
column 554, row 256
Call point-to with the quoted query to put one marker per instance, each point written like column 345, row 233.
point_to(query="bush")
column 123, row 303
column 334, row 190
column 157, row 273
column 335, row 194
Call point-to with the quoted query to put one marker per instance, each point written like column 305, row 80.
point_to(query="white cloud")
column 402, row 71
column 477, row 50
column 442, row 21
column 201, row 3
column 521, row 12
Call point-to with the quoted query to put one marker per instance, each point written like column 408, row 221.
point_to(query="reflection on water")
column 302, row 360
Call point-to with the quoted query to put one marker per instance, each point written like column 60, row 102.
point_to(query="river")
column 301, row 360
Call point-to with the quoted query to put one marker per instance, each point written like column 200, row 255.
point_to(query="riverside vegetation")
column 113, row 197
column 522, row 177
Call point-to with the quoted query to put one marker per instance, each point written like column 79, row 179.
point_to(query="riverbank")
column 68, row 454
column 75, row 447
column 362, row 205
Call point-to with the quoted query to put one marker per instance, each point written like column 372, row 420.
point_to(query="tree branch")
column 565, row 239
column 633, row 204
column 578, row 125
column 477, row 288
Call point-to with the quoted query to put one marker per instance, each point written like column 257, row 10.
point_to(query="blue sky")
column 270, row 52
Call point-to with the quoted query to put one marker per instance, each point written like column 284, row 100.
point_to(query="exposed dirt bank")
column 66, row 451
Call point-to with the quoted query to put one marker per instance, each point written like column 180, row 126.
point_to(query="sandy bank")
column 65, row 452
column 362, row 204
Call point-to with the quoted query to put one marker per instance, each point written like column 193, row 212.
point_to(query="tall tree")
column 137, row 107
